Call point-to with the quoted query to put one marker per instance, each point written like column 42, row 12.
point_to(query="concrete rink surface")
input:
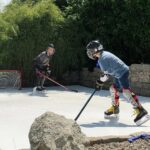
column 18, row 109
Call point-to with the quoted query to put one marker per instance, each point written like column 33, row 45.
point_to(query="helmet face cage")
column 92, row 48
column 90, row 53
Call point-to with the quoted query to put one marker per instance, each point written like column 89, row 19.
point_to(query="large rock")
column 54, row 132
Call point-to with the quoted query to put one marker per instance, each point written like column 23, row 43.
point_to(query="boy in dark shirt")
column 41, row 65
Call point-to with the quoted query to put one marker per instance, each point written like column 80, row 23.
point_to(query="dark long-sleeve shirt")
column 42, row 60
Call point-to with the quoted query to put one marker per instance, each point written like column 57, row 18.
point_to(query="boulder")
column 54, row 132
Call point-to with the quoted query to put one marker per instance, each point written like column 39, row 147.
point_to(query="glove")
column 104, row 78
column 46, row 68
column 101, row 81
column 98, row 85
column 48, row 72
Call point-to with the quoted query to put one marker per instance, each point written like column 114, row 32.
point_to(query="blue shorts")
column 123, row 82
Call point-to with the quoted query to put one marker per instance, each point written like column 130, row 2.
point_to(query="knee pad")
column 131, row 97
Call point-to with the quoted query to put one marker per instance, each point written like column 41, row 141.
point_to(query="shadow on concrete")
column 110, row 123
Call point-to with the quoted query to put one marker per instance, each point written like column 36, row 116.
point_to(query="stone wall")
column 139, row 78
column 88, row 78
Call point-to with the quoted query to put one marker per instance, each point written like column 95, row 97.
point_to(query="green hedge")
column 123, row 26
column 27, row 30
column 27, row 26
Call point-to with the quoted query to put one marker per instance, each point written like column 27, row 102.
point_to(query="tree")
column 122, row 26
column 30, row 29
column 26, row 32
column 62, row 4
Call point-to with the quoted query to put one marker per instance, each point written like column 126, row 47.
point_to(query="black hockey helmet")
column 51, row 45
column 93, row 47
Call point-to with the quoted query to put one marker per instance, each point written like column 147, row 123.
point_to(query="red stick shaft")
column 53, row 81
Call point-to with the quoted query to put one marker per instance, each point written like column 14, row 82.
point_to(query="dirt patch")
column 117, row 143
column 137, row 145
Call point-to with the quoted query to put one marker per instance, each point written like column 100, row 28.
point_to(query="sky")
column 4, row 2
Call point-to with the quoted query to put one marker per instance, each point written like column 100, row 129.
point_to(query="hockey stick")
column 68, row 89
column 85, row 104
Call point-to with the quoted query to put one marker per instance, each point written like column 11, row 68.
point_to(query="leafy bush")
column 27, row 26
column 27, row 30
column 122, row 26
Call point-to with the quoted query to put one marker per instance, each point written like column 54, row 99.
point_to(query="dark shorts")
column 123, row 82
